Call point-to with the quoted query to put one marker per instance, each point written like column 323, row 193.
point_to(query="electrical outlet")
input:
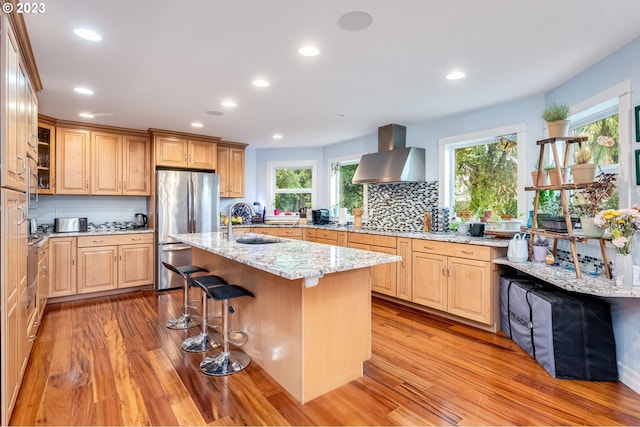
column 131, row 212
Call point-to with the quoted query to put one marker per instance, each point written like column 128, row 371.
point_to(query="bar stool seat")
column 205, row 340
column 186, row 320
column 226, row 362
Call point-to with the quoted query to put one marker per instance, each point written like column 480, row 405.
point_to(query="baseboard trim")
column 629, row 377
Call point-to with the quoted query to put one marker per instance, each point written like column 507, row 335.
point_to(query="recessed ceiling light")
column 86, row 115
column 277, row 136
column 260, row 83
column 83, row 90
column 355, row 20
column 456, row 75
column 309, row 50
column 215, row 113
column 338, row 116
column 197, row 125
column 228, row 104
column 86, row 34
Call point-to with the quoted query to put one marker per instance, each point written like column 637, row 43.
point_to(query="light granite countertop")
column 446, row 237
column 566, row 279
column 100, row 232
column 291, row 259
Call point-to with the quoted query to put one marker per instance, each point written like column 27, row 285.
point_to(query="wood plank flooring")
column 111, row 361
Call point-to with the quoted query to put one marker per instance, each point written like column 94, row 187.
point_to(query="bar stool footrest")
column 223, row 364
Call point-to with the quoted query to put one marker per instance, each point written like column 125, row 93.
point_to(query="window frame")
column 291, row 164
column 449, row 144
column 333, row 184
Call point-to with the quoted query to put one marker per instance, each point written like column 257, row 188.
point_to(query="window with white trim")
column 343, row 192
column 292, row 185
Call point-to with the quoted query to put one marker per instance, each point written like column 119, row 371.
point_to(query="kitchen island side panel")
column 310, row 340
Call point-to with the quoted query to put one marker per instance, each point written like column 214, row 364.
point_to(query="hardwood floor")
column 111, row 361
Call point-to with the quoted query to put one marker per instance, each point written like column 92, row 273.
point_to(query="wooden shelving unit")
column 563, row 189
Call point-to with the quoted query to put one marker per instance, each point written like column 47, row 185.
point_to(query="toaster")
column 70, row 225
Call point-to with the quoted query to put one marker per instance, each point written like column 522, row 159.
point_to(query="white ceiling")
column 164, row 64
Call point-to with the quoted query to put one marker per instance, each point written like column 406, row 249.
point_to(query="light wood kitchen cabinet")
column 73, row 161
column 459, row 279
column 231, row 170
column 384, row 276
column 14, row 282
column 108, row 262
column 120, row 164
column 46, row 158
column 14, row 150
column 309, row 234
column 62, row 265
column 288, row 232
column 403, row 269
column 43, row 279
column 173, row 151
column 136, row 166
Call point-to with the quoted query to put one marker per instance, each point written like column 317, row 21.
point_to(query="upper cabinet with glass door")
column 46, row 156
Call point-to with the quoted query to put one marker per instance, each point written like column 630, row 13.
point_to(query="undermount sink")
column 256, row 240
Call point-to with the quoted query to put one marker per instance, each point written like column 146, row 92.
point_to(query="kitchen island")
column 309, row 325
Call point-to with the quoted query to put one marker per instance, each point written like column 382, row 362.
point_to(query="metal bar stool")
column 204, row 341
column 226, row 362
column 186, row 320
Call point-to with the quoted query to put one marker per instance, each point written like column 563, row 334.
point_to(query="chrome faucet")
column 233, row 205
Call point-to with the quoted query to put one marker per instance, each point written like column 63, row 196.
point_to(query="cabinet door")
column 470, row 289
column 106, row 164
column 171, row 151
column 236, row 172
column 62, row 265
column 202, row 155
column 72, row 161
column 13, row 150
column 14, row 281
column 43, row 279
column 135, row 265
column 136, row 156
column 429, row 273
column 46, row 158
column 384, row 277
column 403, row 270
column 231, row 170
column 97, row 268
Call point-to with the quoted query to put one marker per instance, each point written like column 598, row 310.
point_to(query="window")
column 343, row 192
column 600, row 124
column 292, row 185
column 481, row 172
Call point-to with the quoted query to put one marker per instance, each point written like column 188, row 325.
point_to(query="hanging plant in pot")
column 583, row 171
column 556, row 117
column 592, row 199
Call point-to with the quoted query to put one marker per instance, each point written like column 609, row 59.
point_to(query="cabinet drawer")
column 114, row 239
column 327, row 234
column 291, row 233
column 311, row 232
column 372, row 239
column 460, row 250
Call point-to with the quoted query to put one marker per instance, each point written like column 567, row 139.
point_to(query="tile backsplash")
column 400, row 206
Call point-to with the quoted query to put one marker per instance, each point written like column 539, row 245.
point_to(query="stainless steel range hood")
column 394, row 162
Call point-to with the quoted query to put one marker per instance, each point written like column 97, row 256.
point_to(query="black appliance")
column 139, row 220
column 320, row 216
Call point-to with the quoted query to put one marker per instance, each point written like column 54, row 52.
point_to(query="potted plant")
column 555, row 178
column 556, row 117
column 540, row 248
column 592, row 199
column 544, row 178
column 583, row 170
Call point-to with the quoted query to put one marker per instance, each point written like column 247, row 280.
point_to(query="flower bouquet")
column 621, row 223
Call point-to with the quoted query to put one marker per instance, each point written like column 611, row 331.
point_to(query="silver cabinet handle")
column 177, row 248
column 428, row 247
column 467, row 252
column 24, row 165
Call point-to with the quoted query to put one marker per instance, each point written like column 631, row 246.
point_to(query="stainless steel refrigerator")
column 187, row 202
